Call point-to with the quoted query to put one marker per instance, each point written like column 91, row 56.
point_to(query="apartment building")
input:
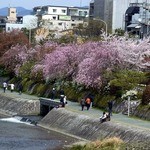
column 60, row 17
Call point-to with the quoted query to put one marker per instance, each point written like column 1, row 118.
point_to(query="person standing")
column 62, row 93
column 53, row 93
column 20, row 89
column 62, row 100
column 12, row 86
column 110, row 105
column 4, row 86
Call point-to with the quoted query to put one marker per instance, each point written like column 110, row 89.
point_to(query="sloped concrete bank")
column 90, row 129
column 18, row 106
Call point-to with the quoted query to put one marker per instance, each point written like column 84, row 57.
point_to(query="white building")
column 28, row 21
column 61, row 17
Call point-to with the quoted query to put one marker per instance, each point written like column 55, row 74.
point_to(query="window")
column 63, row 11
column 60, row 23
column 73, row 24
column 80, row 13
column 85, row 13
column 54, row 10
column 54, row 18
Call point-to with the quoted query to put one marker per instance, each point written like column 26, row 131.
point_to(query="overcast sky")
column 29, row 4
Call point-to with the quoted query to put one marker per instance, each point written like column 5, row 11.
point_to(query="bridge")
column 47, row 105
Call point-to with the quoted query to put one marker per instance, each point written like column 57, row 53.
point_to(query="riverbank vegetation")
column 113, row 143
column 105, row 69
column 106, row 144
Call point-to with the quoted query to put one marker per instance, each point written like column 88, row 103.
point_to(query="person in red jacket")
column 88, row 102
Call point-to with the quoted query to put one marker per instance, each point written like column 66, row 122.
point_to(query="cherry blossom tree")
column 85, row 63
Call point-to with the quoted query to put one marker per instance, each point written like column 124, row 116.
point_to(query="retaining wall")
column 18, row 106
column 90, row 129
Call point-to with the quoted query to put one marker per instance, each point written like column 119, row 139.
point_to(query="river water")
column 17, row 135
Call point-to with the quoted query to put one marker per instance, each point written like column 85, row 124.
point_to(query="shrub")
column 126, row 80
column 25, row 69
column 146, row 96
column 27, row 85
column 41, row 90
column 106, row 144
column 72, row 94
column 34, row 91
column 102, row 103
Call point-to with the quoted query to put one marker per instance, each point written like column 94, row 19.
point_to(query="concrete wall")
column 88, row 128
column 20, row 106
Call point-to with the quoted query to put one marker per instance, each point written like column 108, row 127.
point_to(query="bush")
column 106, row 144
column 103, row 102
column 25, row 70
column 146, row 96
column 72, row 93
column 126, row 80
column 3, row 72
column 41, row 90
column 27, row 85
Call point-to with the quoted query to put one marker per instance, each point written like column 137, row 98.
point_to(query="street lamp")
column 104, row 23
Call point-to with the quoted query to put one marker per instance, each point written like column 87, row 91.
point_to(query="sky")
column 29, row 4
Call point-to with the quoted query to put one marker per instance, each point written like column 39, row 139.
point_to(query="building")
column 12, row 21
column 137, row 18
column 12, row 15
column 60, row 17
column 110, row 11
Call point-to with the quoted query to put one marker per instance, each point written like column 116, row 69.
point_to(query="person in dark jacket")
column 110, row 105
column 53, row 93
column 20, row 89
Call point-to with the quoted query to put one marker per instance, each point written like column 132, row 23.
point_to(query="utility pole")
column 30, row 36
column 129, row 102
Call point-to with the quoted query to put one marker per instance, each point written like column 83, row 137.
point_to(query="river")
column 17, row 135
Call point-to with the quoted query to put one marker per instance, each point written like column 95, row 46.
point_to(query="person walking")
column 82, row 104
column 20, row 89
column 88, row 102
column 4, row 86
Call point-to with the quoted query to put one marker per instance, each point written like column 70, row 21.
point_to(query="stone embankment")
column 135, row 110
column 18, row 106
column 90, row 129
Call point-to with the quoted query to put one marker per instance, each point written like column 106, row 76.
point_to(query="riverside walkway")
column 120, row 119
